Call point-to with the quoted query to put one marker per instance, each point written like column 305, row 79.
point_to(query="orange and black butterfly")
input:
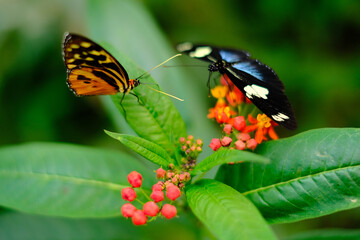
column 91, row 70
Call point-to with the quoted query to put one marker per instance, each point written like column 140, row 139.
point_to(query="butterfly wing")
column 270, row 99
column 91, row 70
column 199, row 51
column 256, row 80
column 260, row 71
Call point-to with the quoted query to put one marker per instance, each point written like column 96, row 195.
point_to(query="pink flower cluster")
column 149, row 209
column 190, row 149
column 234, row 139
column 171, row 182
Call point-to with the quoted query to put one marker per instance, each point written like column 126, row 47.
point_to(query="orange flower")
column 219, row 104
column 221, row 113
column 219, row 91
column 235, row 97
column 263, row 126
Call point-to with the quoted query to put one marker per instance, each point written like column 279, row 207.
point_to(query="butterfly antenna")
column 184, row 65
column 177, row 55
column 165, row 93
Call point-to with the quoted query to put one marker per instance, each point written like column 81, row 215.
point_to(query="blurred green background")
column 314, row 47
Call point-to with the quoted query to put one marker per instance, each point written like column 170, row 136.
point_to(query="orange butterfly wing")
column 91, row 70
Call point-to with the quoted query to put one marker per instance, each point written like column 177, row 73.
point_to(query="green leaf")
column 15, row 226
column 225, row 212
column 227, row 156
column 145, row 148
column 66, row 180
column 153, row 117
column 130, row 28
column 311, row 174
column 328, row 234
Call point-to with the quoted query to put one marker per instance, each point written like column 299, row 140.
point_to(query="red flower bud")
column 226, row 141
column 181, row 177
column 160, row 173
column 199, row 142
column 169, row 184
column 251, row 143
column 128, row 210
column 174, row 180
column 168, row 211
column 190, row 137
column 139, row 218
column 215, row 144
column 135, row 179
column 183, row 148
column 173, row 192
column 199, row 149
column 151, row 209
column 227, row 129
column 157, row 196
column 169, row 174
column 182, row 140
column 239, row 123
column 187, row 176
column 239, row 145
column 157, row 187
column 128, row 194
column 243, row 137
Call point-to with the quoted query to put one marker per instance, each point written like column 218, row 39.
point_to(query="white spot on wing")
column 279, row 117
column 184, row 46
column 200, row 52
column 257, row 91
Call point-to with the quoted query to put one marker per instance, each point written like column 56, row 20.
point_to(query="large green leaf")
column 130, row 28
column 66, row 180
column 153, row 116
column 145, row 148
column 226, row 212
column 327, row 234
column 310, row 175
column 17, row 226
column 227, row 156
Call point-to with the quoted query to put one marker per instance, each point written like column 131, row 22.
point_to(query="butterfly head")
column 133, row 83
column 217, row 66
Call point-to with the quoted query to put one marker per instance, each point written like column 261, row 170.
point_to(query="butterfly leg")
column 208, row 82
column 138, row 99
column 122, row 105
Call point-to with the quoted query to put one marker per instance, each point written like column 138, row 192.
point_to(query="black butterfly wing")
column 199, row 51
column 269, row 98
column 256, row 80
column 241, row 60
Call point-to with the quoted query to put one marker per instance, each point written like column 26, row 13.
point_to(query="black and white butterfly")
column 257, row 81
